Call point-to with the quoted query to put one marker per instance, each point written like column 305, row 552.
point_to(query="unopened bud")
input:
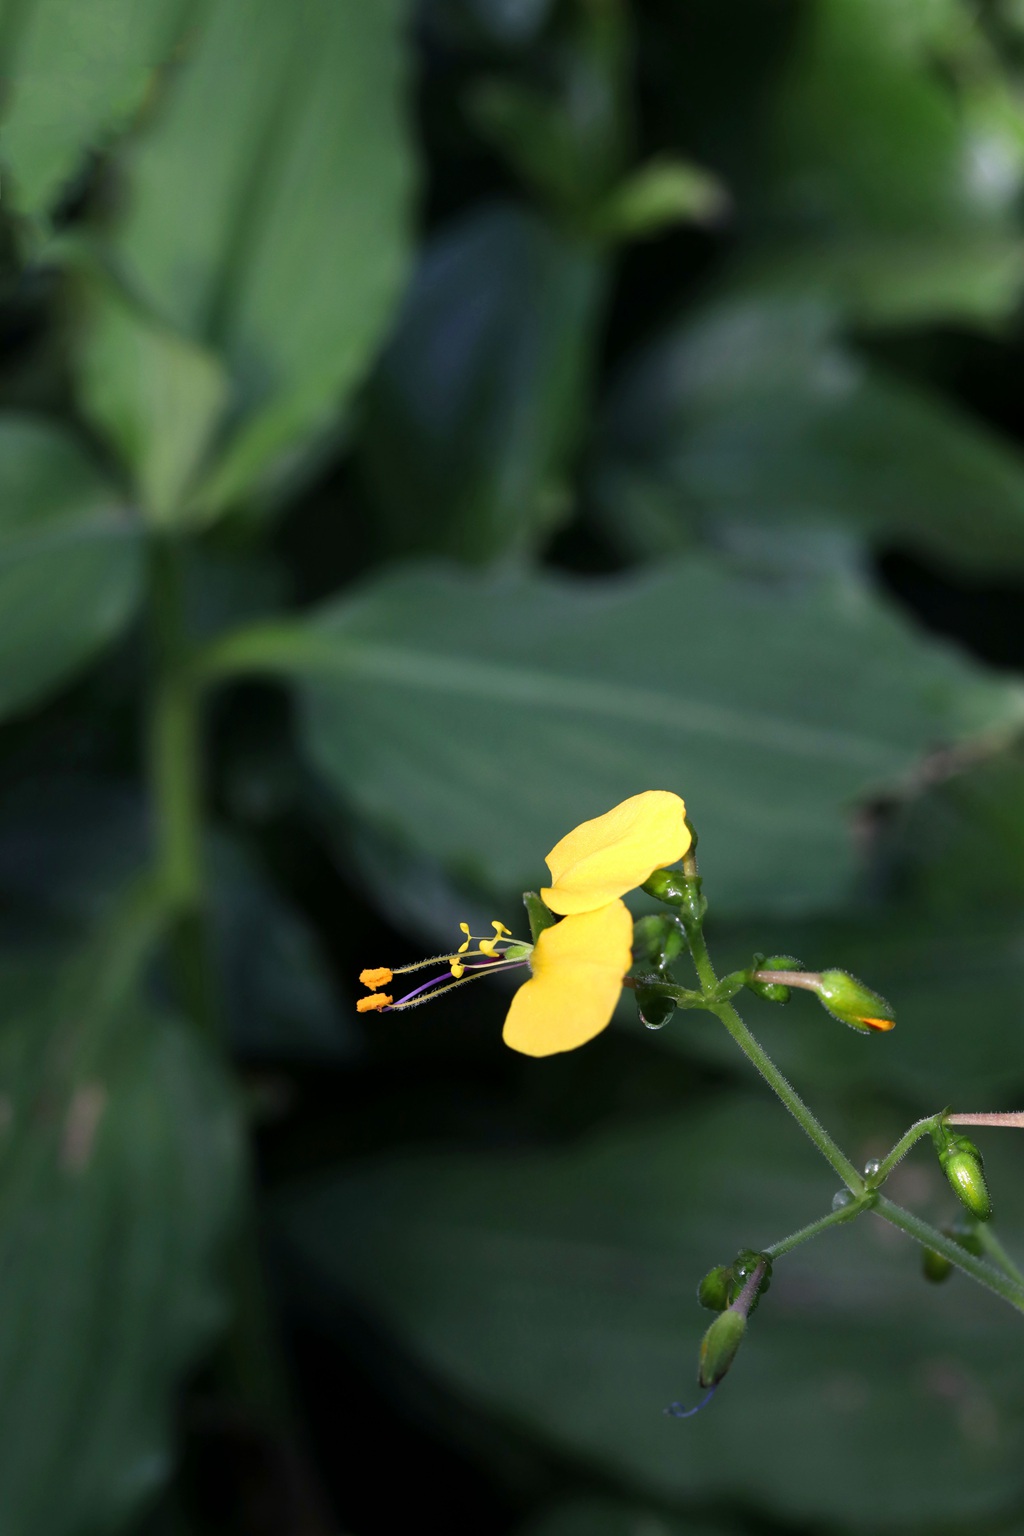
column 719, row 1345
column 935, row 1266
column 851, row 1001
column 657, row 940
column 961, row 1163
column 716, row 1289
column 773, row 991
column 679, row 890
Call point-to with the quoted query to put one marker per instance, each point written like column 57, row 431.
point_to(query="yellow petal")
column 578, row 966
column 604, row 858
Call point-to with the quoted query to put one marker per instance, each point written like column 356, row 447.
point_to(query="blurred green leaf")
column 472, row 417
column 663, row 192
column 267, row 211
column 68, row 845
column 959, row 847
column 70, row 561
column 881, row 178
column 957, row 986
column 156, row 397
column 475, row 720
column 556, row 1289
column 119, row 1179
column 601, row 1517
column 756, row 413
column 78, row 73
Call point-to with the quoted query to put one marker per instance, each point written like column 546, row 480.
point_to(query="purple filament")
column 677, row 1411
column 470, row 965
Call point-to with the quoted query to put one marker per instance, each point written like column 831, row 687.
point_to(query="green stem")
column 779, row 1084
column 833, row 1219
column 251, row 1360
column 175, row 766
column 930, row 1237
column 902, row 1147
column 995, row 1250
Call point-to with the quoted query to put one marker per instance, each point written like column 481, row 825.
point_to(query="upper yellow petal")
column 604, row 858
column 578, row 966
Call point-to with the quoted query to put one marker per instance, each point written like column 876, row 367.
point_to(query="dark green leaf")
column 80, row 72
column 477, row 720
column 267, row 211
column 70, row 562
column 156, row 396
column 558, row 1289
column 473, row 415
column 957, row 987
column 120, row 1175
column 756, row 414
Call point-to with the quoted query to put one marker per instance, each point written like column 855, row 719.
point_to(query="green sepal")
column 538, row 915
column 772, row 992
column 718, row 1347
column 716, row 1289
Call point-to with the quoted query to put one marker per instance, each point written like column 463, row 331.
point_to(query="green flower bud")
column 718, row 1347
column 716, row 1289
column 657, row 941
column 772, row 991
column 935, row 1266
column 676, row 889
column 965, row 1171
column 654, row 1008
column 851, row 1001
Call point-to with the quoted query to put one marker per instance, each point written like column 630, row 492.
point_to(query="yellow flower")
column 578, row 966
column 603, row 859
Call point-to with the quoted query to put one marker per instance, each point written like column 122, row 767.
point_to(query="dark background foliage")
column 512, row 404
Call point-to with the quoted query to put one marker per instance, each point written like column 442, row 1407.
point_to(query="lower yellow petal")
column 578, row 966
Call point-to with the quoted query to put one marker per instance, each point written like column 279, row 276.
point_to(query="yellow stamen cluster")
column 487, row 947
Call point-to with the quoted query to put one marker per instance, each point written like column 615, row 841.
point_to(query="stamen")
column 500, row 930
column 414, row 1000
column 374, row 1002
column 375, row 978
column 457, row 966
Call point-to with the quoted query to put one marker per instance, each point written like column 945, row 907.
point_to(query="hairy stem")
column 910, row 1138
column 923, row 1232
column 813, row 1229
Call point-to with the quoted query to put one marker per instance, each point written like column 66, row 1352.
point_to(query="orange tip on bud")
column 375, row 978
column 882, row 1025
column 376, row 1000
